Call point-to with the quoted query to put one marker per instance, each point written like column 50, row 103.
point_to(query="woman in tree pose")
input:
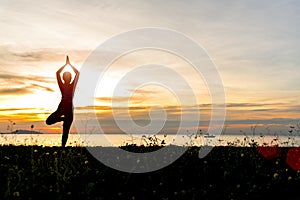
column 64, row 111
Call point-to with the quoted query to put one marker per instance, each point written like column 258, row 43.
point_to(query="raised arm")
column 75, row 71
column 58, row 77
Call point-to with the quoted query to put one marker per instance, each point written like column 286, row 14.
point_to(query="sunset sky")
column 255, row 46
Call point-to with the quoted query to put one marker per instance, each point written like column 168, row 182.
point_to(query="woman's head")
column 67, row 76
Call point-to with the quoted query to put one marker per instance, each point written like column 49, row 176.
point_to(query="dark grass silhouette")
column 35, row 172
column 64, row 111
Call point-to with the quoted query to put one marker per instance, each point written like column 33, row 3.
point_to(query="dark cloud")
column 242, row 105
column 12, row 77
column 17, row 85
column 103, row 108
column 119, row 99
column 23, row 90
column 10, row 55
column 42, row 87
column 263, row 110
column 15, row 91
column 144, row 92
column 16, row 109
column 43, row 79
column 141, row 110
column 28, row 56
column 282, row 121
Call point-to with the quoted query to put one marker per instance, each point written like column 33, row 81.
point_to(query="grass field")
column 35, row 172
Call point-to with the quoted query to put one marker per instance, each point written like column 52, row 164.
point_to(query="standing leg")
column 66, row 128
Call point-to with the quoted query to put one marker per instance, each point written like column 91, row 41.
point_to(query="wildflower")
column 47, row 153
column 16, row 194
column 276, row 175
column 86, row 162
column 35, row 151
column 6, row 157
column 55, row 152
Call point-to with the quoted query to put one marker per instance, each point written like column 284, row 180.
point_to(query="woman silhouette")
column 64, row 111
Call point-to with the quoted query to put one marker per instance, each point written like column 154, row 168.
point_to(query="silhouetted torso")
column 67, row 92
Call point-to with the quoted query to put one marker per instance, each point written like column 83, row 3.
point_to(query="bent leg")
column 54, row 118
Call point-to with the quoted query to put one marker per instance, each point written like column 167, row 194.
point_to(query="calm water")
column 123, row 139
